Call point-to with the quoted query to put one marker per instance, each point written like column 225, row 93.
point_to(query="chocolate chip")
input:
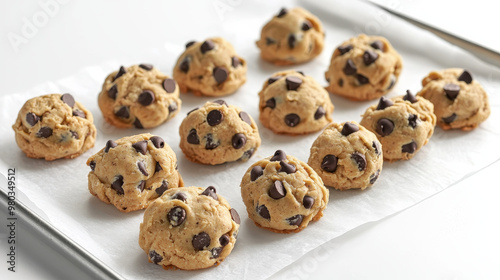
column 308, row 202
column 256, row 172
column 120, row 73
column 155, row 257
column 32, row 119
column 224, row 240
column 292, row 41
column 374, row 177
column 112, row 92
column 245, row 117
column 292, row 120
column 369, row 57
column 344, row 49
column 393, row 81
column 277, row 190
column 169, row 85
column 138, row 124
column 409, row 148
column 450, row 119
column 172, row 107
column 117, row 184
column 142, row 185
column 329, row 163
column 270, row 41
column 295, row 220
column 142, row 167
column 384, row 103
column 176, row 216
column 215, row 252
column 247, row 154
column 410, row 97
column 192, row 110
column 201, row 241
column 123, row 112
column 465, row 77
column 349, row 68
column 210, row 191
column 146, row 98
column 293, row 82
column 362, row 80
column 263, row 212
column 384, row 127
column 452, row 91
column 376, row 147
column 282, row 12
column 273, row 79
column 287, row 167
column 239, row 140
column 220, row 102
column 141, row 147
column 207, row 46
column 74, row 134
column 157, row 141
column 192, row 137
column 378, row 45
column 412, row 120
column 306, row 25
column 235, row 62
column 184, row 65
column 109, row 145
column 220, row 74
column 349, row 128
column 68, row 99
column 176, row 166
column 320, row 112
column 158, row 167
column 146, row 66
column 234, row 215
column 78, row 113
column 360, row 160
column 340, row 82
column 44, row 132
column 190, row 43
column 279, row 155
column 92, row 165
column 271, row 103
column 180, row 196
column 301, row 73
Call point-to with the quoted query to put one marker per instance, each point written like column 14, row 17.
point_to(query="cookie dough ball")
column 347, row 156
column 189, row 228
column 217, row 133
column 54, row 126
column 363, row 68
column 139, row 96
column 291, row 37
column 133, row 171
column 283, row 194
column 293, row 103
column 402, row 124
column 210, row 68
column 459, row 101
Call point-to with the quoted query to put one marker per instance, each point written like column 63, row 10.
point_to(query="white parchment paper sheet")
column 59, row 188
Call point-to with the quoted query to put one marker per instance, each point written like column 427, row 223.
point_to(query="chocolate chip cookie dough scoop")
column 138, row 96
column 291, row 37
column 283, row 194
column 133, row 171
column 189, row 228
column 210, row 68
column 54, row 126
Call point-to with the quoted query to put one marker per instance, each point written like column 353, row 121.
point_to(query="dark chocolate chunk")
column 412, row 120
column 142, row 185
column 306, row 25
column 376, row 147
column 340, row 82
column 409, row 148
column 349, row 68
column 270, row 41
column 308, row 202
column 169, row 85
column 141, row 146
column 362, row 80
column 279, row 155
column 138, row 124
column 184, row 65
column 224, row 240
column 158, row 167
column 208, row 45
column 176, row 216
column 384, row 127
column 282, row 12
column 263, row 212
column 451, row 91
column 215, row 252
column 220, row 74
column 271, row 103
column 287, row 167
column 239, row 140
column 68, row 99
column 146, row 98
column 293, row 82
column 92, row 165
column 109, row 145
column 146, row 66
column 78, row 113
column 235, row 216
column 210, row 191
column 214, row 117
column 295, row 220
column 245, row 117
column 273, row 79
column 142, row 167
column 44, row 132
column 384, row 103
column 369, row 57
column 32, row 119
column 349, row 128
column 192, row 110
column 292, row 40
column 256, row 172
column 74, row 134
column 292, row 120
column 344, row 49
column 117, row 184
column 220, row 102
column 123, row 112
column 374, row 177
column 180, row 196
column 235, row 61
column 112, row 92
column 450, row 119
column 192, row 137
column 465, row 77
column 190, row 43
column 320, row 112
column 120, row 73
column 155, row 257
column 360, row 160
column 172, row 107
column 157, row 141
column 378, row 45
column 329, row 163
column 410, row 97
column 277, row 190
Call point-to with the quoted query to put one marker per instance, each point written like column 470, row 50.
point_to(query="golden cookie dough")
column 283, row 194
column 293, row 103
column 210, row 68
column 459, row 101
column 363, row 68
column 291, row 37
column 403, row 125
column 54, row 126
column 189, row 228
column 133, row 171
column 347, row 156
column 139, row 96
column 217, row 133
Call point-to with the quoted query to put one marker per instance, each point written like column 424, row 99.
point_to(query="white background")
column 452, row 235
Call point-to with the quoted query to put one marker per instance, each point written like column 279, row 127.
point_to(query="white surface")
column 378, row 260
